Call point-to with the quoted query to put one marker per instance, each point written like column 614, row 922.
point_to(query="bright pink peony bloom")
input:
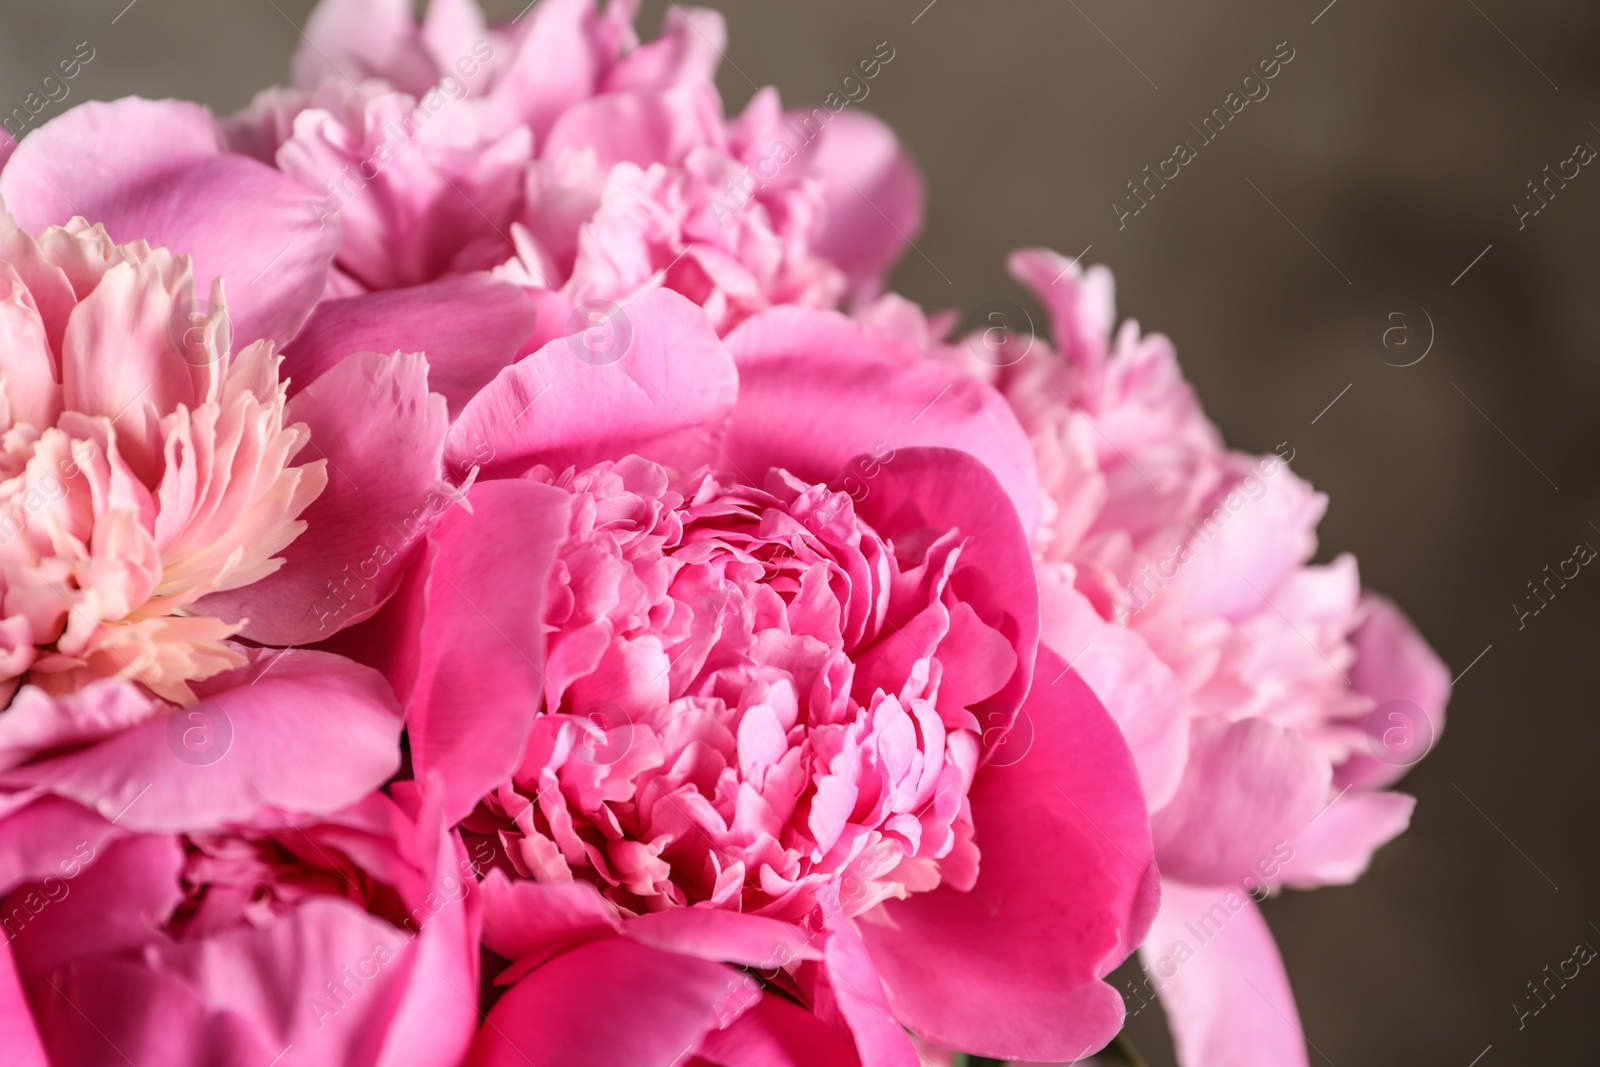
column 590, row 165
column 1253, row 688
column 716, row 696
column 161, row 499
column 351, row 939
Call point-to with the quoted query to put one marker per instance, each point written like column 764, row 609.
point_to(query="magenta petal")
column 156, row 171
column 469, row 326
column 873, row 199
column 723, row 936
column 880, row 1039
column 1066, row 888
column 1224, row 989
column 113, row 1011
column 1249, row 787
column 1393, row 662
column 18, row 1035
column 305, row 732
column 778, row 1033
column 817, row 389
column 382, row 433
column 49, row 837
column 1336, row 848
column 528, row 922
column 663, row 392
column 943, row 488
column 480, row 675
column 654, row 1010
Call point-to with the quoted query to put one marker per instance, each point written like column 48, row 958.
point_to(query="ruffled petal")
column 873, row 199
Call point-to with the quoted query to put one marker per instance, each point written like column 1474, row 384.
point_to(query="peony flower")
column 163, row 500
column 715, row 696
column 350, row 939
column 578, row 161
column 1267, row 700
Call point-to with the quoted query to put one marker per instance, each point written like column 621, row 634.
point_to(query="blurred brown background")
column 1396, row 141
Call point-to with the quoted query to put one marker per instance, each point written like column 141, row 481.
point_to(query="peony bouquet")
column 490, row 577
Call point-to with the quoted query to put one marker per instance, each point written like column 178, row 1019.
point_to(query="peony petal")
column 665, row 395
column 470, row 327
column 873, row 199
column 18, row 1035
column 49, row 837
column 303, row 731
column 353, row 40
column 372, row 418
column 655, row 1009
column 1336, row 848
column 816, row 389
column 1393, row 662
column 880, row 1039
column 156, row 171
column 777, row 1033
column 481, row 666
column 1223, row 986
column 943, row 488
column 1137, row 688
column 1249, row 787
column 640, row 127
column 1066, row 888
column 528, row 922
column 723, row 937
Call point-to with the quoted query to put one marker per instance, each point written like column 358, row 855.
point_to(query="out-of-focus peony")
column 588, row 165
column 722, row 688
column 348, row 940
column 160, row 499
column 1267, row 701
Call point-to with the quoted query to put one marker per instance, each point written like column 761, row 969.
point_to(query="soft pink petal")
column 310, row 733
column 655, row 1009
column 359, row 39
column 873, row 199
column 554, row 64
column 470, row 327
column 1066, row 888
column 155, row 171
column 372, row 418
column 640, row 127
column 689, row 48
column 1221, row 981
column 817, row 389
column 664, row 396
column 1393, row 662
column 480, row 672
column 1336, row 848
column 1249, row 786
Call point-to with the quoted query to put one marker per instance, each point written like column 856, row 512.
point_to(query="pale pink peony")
column 1250, row 684
column 346, row 940
column 589, row 165
column 716, row 695
column 163, row 501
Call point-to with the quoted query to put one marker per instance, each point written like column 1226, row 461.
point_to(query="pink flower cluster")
column 487, row 576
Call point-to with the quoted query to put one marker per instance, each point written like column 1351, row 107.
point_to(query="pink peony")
column 717, row 696
column 591, row 166
column 1258, row 692
column 346, row 940
column 160, row 501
